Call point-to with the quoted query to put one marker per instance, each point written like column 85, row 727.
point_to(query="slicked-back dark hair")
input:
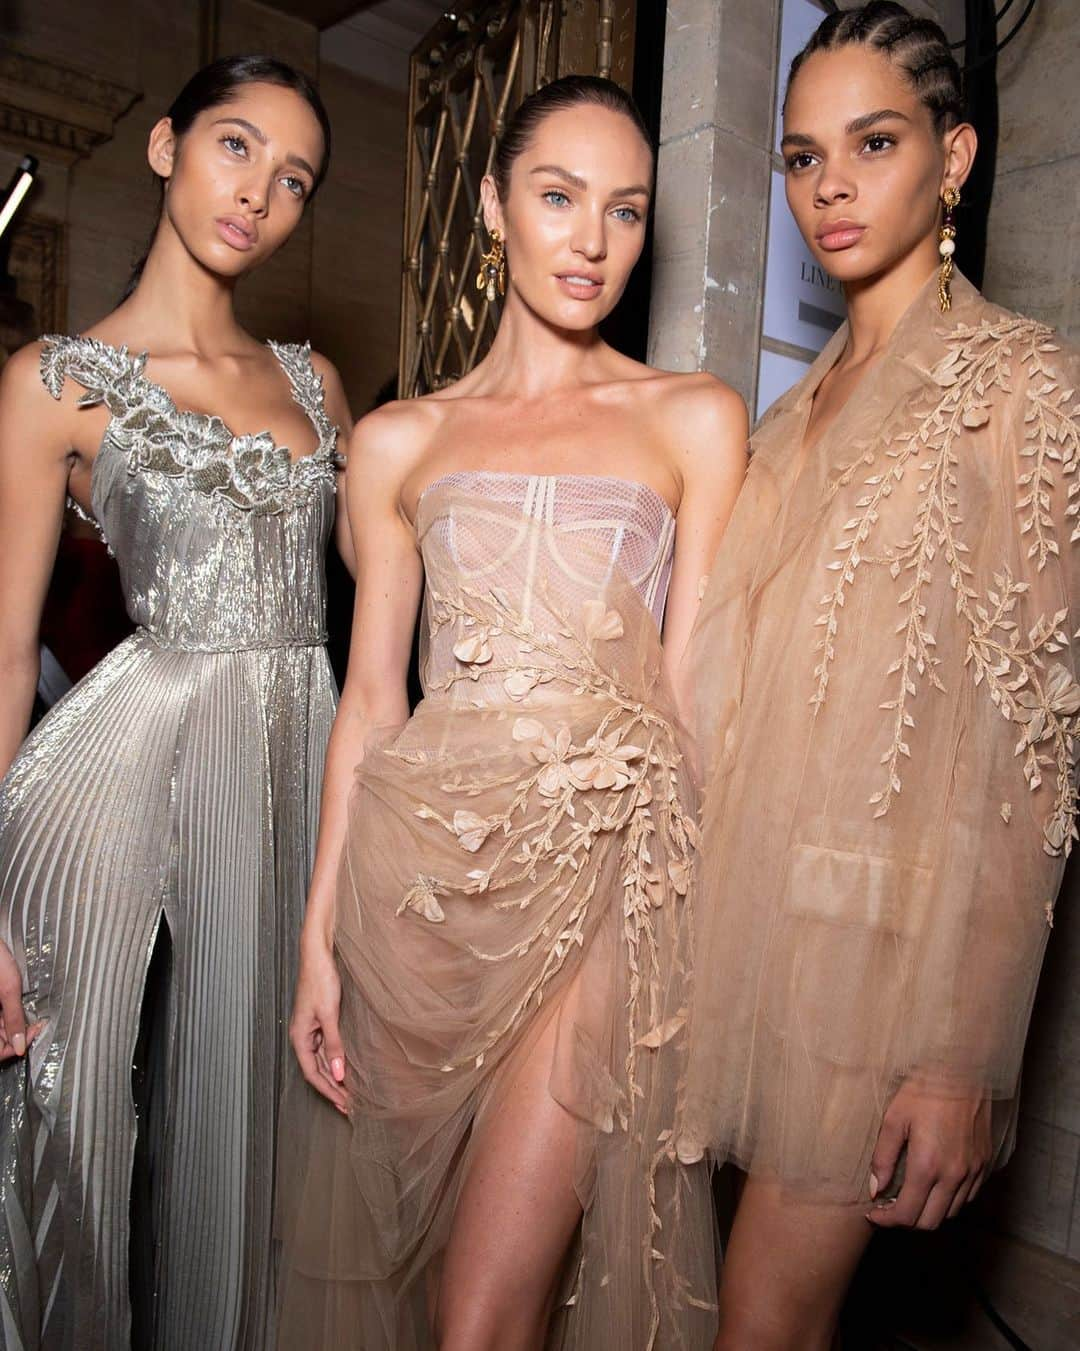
column 918, row 47
column 219, row 83
column 572, row 91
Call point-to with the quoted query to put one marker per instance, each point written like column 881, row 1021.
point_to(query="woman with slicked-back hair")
column 157, row 828
column 888, row 703
column 497, row 955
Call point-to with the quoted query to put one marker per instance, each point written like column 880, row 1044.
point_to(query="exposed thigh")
column 788, row 1264
column 518, row 1209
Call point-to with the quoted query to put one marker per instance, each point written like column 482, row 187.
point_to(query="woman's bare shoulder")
column 702, row 421
column 389, row 442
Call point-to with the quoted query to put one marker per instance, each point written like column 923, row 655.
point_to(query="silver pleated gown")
column 177, row 785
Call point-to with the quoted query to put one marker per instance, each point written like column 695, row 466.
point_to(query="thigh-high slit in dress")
column 520, row 853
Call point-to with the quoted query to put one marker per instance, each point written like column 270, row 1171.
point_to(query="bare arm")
column 35, row 460
column 337, row 409
column 707, row 426
column 389, row 579
column 34, row 467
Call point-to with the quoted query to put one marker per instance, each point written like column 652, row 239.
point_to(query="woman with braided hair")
column 885, row 669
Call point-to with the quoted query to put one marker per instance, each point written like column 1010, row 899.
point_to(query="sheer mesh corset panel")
column 592, row 528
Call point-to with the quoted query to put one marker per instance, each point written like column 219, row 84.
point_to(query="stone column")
column 713, row 187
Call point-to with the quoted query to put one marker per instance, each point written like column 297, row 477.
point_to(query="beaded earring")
column 947, row 248
column 491, row 278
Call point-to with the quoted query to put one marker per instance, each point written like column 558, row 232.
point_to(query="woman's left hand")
column 948, row 1143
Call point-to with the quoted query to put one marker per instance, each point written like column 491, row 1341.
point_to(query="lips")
column 237, row 232
column 840, row 234
column 580, row 285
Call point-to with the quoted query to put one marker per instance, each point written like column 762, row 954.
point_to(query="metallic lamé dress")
column 175, row 788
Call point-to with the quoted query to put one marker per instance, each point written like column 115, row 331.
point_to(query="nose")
column 254, row 195
column 833, row 185
column 590, row 235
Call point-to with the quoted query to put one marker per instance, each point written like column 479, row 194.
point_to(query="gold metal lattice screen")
column 466, row 78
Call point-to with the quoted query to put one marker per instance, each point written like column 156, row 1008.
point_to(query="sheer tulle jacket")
column 886, row 680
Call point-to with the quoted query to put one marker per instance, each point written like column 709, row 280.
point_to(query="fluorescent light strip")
column 18, row 192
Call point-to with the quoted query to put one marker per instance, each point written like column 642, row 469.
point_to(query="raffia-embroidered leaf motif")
column 983, row 365
column 615, row 778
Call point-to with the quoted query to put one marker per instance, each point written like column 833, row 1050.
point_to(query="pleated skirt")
column 167, row 805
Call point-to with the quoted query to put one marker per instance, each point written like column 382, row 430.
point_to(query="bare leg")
column 786, row 1271
column 515, row 1218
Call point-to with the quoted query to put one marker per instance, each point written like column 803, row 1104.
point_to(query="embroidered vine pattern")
column 621, row 778
column 249, row 472
column 1029, row 688
column 614, row 776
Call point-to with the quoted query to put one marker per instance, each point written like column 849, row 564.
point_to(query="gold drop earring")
column 947, row 248
column 491, row 279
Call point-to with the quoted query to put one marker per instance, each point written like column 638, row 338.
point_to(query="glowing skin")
column 865, row 166
column 237, row 182
column 573, row 230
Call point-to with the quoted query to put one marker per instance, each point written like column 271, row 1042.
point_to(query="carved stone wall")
column 80, row 87
column 38, row 262
column 55, row 111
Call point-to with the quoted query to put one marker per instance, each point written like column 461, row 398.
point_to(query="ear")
column 961, row 145
column 493, row 212
column 161, row 148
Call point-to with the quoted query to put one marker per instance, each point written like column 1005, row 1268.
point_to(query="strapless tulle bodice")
column 481, row 526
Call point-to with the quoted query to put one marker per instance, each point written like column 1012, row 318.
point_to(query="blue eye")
column 295, row 186
column 628, row 214
column 231, row 141
column 554, row 192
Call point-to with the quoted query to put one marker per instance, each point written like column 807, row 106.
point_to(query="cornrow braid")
column 917, row 46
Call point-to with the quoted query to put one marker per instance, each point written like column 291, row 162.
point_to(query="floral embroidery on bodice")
column 220, row 539
column 249, row 471
column 591, row 527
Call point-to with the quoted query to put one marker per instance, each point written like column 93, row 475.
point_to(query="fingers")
column 890, row 1141
column 964, row 1194
column 11, row 1009
column 939, row 1203
column 308, row 1046
column 930, row 1195
column 980, row 1178
column 332, row 1048
column 904, row 1212
column 8, row 1050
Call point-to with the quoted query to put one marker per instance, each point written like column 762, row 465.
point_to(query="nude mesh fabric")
column 520, row 851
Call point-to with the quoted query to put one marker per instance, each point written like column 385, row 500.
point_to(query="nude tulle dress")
column 885, row 666
column 518, row 854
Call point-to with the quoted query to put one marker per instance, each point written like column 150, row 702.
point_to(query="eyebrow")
column 853, row 128
column 637, row 190
column 297, row 161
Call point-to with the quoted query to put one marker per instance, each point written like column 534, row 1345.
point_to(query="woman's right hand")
column 15, row 1036
column 313, row 1030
